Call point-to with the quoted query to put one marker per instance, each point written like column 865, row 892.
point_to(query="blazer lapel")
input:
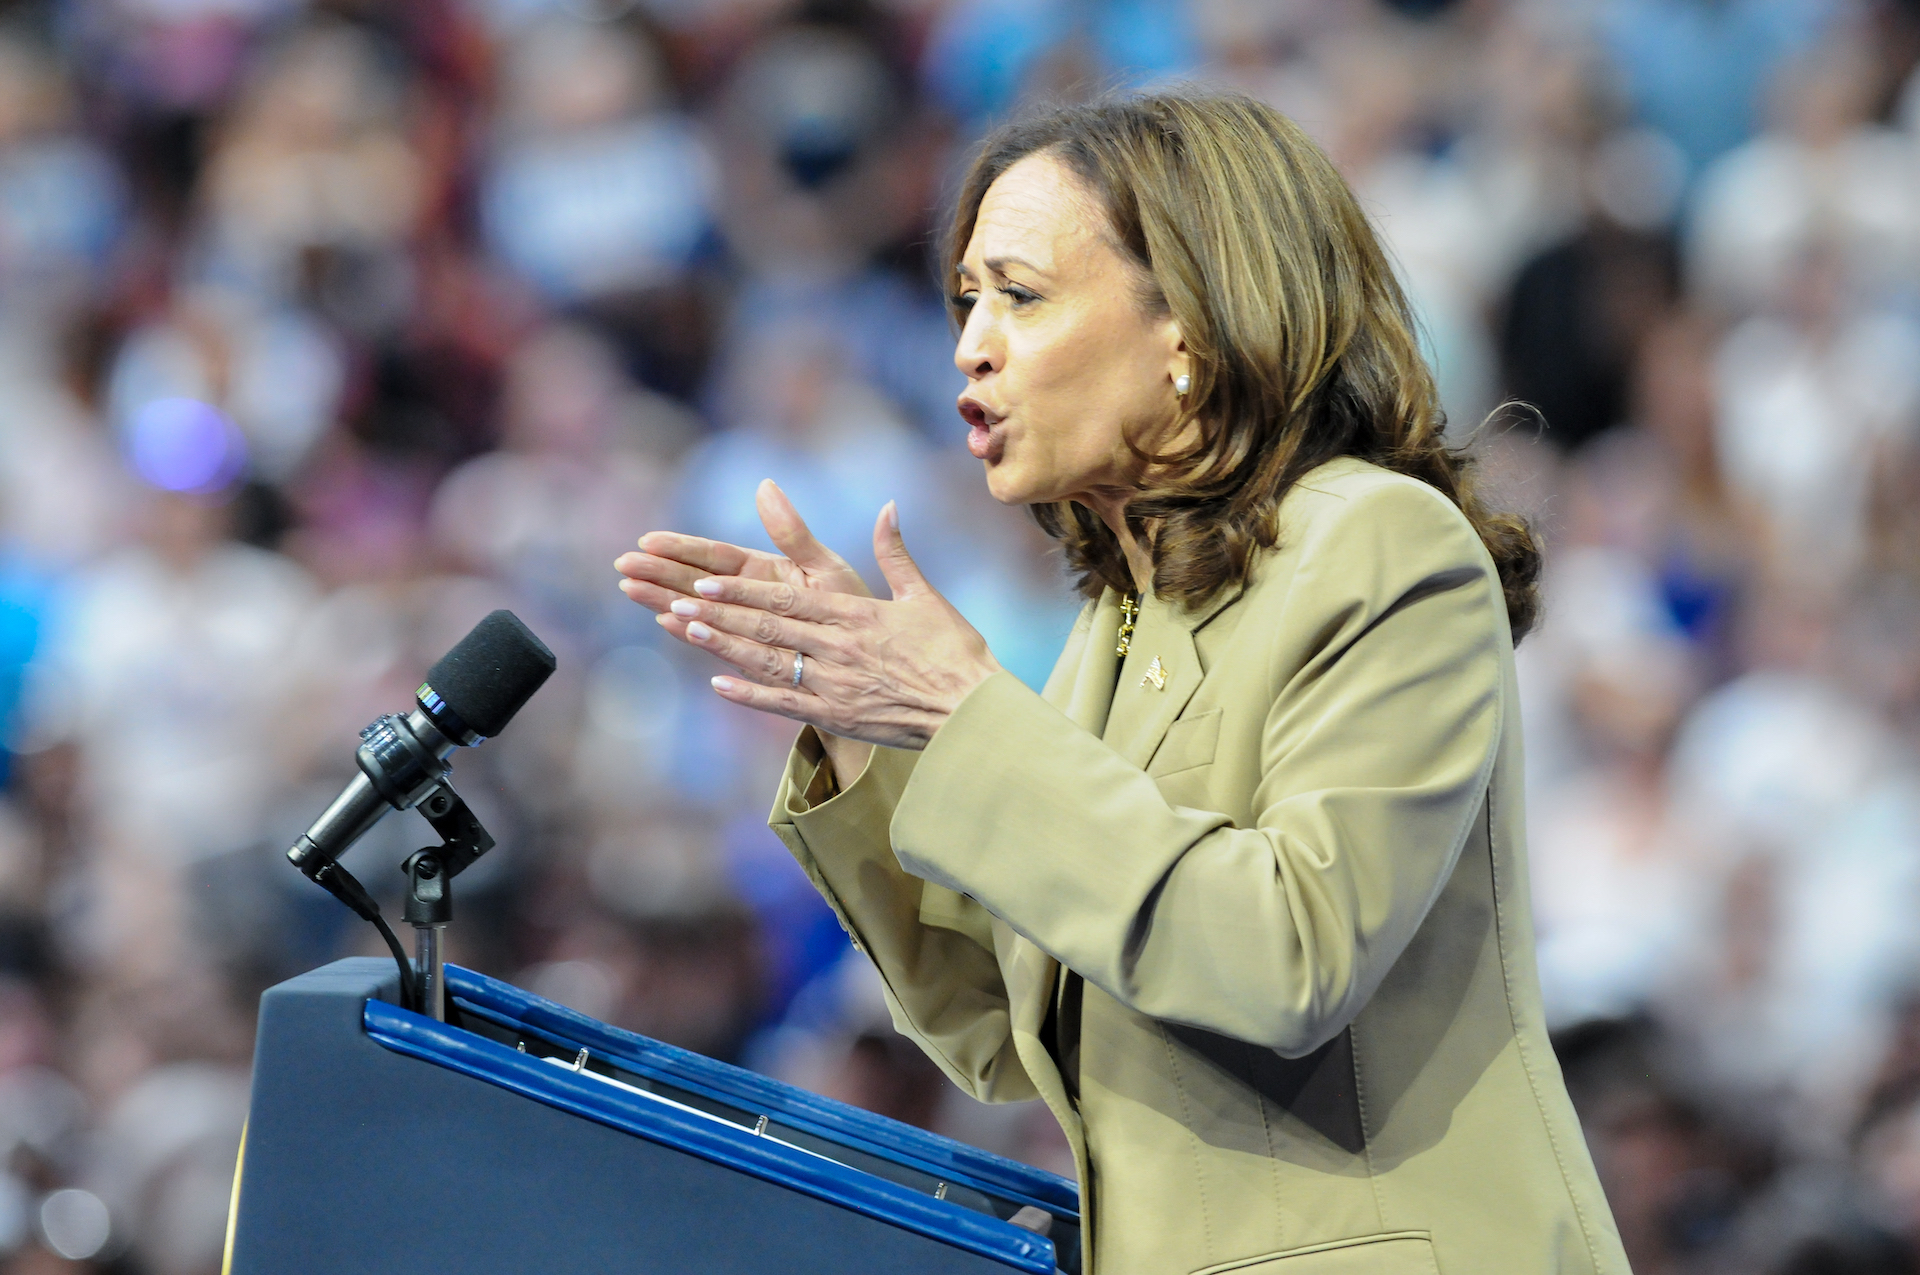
column 1084, row 692
column 1082, row 688
column 1133, row 718
column 1149, row 697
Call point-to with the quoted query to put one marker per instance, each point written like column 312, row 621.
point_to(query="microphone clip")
column 465, row 840
column 430, row 872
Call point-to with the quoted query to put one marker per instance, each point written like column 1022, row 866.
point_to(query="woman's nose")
column 978, row 351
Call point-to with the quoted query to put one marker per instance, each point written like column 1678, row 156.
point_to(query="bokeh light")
column 185, row 445
column 75, row 1223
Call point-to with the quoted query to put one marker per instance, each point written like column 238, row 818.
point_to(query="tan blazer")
column 1294, row 879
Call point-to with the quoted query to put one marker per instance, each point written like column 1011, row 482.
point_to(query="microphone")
column 469, row 696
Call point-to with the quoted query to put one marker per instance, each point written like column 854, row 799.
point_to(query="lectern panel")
column 380, row 1140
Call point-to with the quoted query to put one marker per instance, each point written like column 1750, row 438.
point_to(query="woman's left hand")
column 887, row 672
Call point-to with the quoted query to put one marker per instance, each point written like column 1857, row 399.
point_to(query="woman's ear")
column 1179, row 363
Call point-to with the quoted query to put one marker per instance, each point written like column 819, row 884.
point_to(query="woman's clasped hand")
column 880, row 671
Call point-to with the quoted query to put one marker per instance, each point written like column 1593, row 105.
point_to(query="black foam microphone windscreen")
column 482, row 682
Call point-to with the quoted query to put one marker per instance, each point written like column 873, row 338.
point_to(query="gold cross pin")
column 1156, row 674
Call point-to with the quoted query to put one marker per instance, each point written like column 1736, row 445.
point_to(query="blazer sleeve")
column 1383, row 682
column 933, row 947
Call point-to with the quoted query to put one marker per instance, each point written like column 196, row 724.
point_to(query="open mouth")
column 984, row 441
column 976, row 415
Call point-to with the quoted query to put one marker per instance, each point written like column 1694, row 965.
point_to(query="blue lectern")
column 529, row 1138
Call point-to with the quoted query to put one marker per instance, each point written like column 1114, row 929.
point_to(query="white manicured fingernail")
column 722, row 683
column 707, row 588
column 698, row 631
column 686, row 607
column 662, row 619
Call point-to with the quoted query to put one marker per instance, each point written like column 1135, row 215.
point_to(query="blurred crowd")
column 327, row 326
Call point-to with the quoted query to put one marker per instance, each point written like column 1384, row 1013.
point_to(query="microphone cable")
column 334, row 878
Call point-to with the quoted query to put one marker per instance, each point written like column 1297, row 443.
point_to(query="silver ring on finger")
column 799, row 668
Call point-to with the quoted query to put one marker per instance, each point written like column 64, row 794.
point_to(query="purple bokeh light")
column 183, row 444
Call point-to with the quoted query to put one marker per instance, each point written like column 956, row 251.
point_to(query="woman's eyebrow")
column 998, row 265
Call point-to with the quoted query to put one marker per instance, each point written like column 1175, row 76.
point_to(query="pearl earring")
column 1181, row 384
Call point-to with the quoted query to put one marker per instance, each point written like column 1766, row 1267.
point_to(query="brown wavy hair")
column 1302, row 345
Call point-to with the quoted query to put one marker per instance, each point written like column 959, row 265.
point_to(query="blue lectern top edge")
column 753, row 1092
column 711, row 1138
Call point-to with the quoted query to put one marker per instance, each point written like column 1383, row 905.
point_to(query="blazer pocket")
column 1394, row 1253
column 1189, row 742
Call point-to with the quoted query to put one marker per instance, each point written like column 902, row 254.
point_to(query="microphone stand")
column 430, row 873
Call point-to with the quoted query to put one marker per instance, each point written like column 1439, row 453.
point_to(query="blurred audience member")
column 315, row 185
column 1695, row 536
column 277, row 373
column 1698, row 70
column 61, row 198
column 826, row 170
column 1788, row 994
column 1823, row 180
column 805, row 419
column 1812, row 395
column 171, row 648
column 985, row 56
column 596, row 185
column 586, row 459
column 1578, row 309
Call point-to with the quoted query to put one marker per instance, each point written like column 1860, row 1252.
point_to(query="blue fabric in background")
column 803, row 938
column 1699, row 70
column 23, row 602
column 982, row 53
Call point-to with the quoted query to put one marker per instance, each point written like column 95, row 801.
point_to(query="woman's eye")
column 963, row 301
column 1019, row 295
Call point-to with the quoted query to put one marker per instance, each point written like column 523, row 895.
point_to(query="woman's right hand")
column 668, row 563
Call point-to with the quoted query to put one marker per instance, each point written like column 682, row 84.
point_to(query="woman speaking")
column 1243, row 894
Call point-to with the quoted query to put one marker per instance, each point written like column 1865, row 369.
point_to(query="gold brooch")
column 1129, row 612
column 1157, row 674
